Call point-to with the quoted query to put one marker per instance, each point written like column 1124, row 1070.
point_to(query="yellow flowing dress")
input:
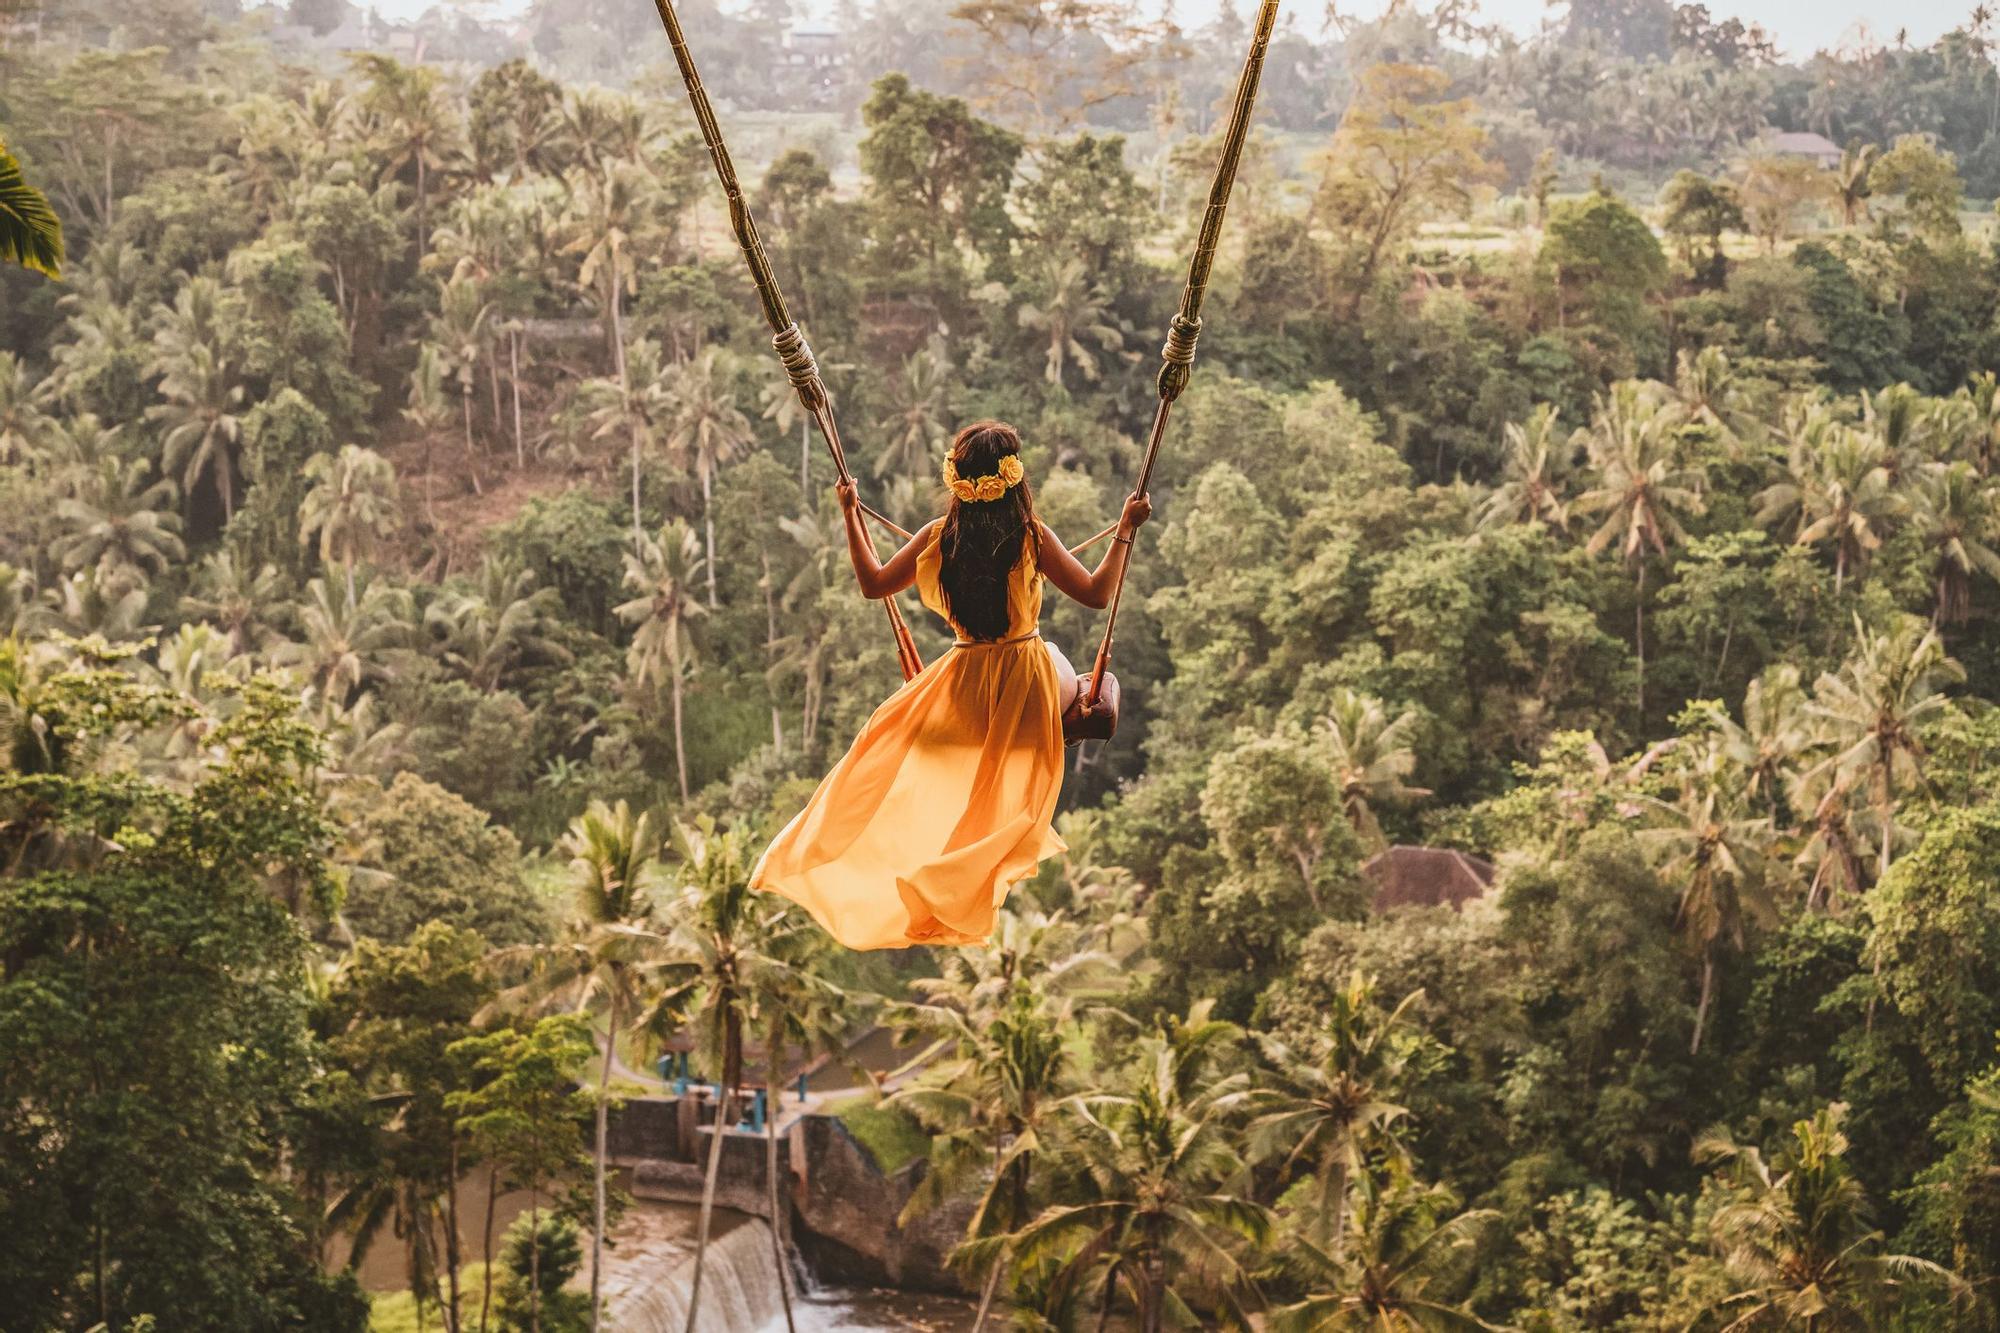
column 946, row 798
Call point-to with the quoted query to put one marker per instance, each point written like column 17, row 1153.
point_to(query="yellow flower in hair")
column 989, row 487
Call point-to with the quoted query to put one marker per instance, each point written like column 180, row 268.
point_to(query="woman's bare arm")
column 878, row 579
column 1092, row 587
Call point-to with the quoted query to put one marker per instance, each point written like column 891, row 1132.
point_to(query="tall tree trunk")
column 771, row 650
column 707, row 1204
column 535, row 1261
column 471, row 456
column 1109, row 1298
column 1707, row 990
column 778, row 1215
column 615, row 304
column 603, row 1122
column 101, row 1263
column 680, row 745
column 453, row 1257
column 1333, row 1219
column 1888, row 829
column 638, row 529
column 989, row 1291
column 493, row 384
column 1639, row 636
column 708, row 524
column 486, row 1246
column 514, row 380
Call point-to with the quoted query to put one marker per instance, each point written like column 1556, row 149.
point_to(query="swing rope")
column 786, row 338
column 1177, row 356
column 803, row 370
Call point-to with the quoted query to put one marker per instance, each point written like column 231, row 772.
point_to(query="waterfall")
column 739, row 1289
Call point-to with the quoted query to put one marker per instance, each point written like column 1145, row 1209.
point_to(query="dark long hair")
column 982, row 540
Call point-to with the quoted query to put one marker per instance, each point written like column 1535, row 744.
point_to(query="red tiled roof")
column 1426, row 877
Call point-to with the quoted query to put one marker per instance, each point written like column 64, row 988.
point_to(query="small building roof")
column 1804, row 143
column 1426, row 877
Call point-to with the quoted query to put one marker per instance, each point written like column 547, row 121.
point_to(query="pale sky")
column 1801, row 26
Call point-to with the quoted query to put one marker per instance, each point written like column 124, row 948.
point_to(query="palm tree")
column 609, row 205
column 120, row 523
column 816, row 638
column 1874, row 705
column 410, row 117
column 358, row 741
column 23, row 425
column 1955, row 513
column 1372, row 756
column 102, row 357
column 783, row 410
column 87, row 602
column 1979, row 445
column 488, row 628
column 229, row 595
column 607, row 961
column 794, row 1008
column 349, row 505
column 1772, row 735
column 428, row 412
column 183, row 665
column 1643, row 487
column 1714, row 850
column 602, row 127
column 199, row 319
column 1151, row 1158
column 1914, row 430
column 662, row 571
column 30, row 232
column 1330, row 1108
column 346, row 638
column 203, row 420
column 1838, row 488
column 1534, row 476
column 461, row 337
column 1071, row 308
column 1850, row 181
column 734, row 953
column 639, row 405
column 992, row 1099
column 920, row 427
column 1838, row 835
column 706, row 428
column 1796, row 1244
column 1407, row 1244
column 1707, row 391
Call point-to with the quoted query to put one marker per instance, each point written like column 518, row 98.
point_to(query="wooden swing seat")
column 1083, row 721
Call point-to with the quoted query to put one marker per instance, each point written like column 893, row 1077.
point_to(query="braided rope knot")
column 800, row 366
column 1179, row 355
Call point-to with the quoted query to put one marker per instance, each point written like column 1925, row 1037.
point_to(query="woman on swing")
column 946, row 798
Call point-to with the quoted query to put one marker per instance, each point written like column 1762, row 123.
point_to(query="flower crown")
column 989, row 487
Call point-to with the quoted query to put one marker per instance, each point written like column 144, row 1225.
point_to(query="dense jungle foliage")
column 421, row 597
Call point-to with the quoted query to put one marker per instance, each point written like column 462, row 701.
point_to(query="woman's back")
column 1023, row 591
column 948, row 795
